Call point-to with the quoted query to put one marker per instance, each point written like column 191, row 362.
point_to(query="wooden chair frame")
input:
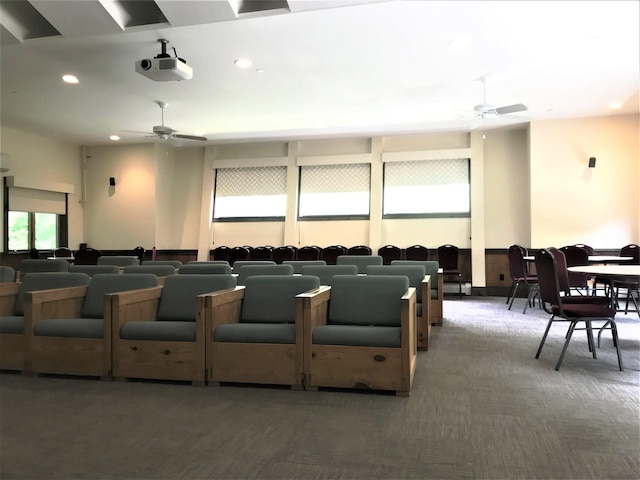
column 62, row 355
column 262, row 363
column 160, row 360
column 12, row 346
column 343, row 366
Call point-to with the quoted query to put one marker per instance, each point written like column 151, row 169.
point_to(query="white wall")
column 38, row 157
column 571, row 203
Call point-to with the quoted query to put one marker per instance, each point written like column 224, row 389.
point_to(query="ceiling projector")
column 164, row 69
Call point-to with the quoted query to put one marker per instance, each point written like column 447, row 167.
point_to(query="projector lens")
column 145, row 64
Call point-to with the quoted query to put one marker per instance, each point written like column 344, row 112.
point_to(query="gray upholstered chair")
column 33, row 265
column 91, row 270
column 298, row 264
column 174, row 263
column 160, row 333
column 119, row 260
column 205, row 269
column 254, row 333
column 432, row 268
column 241, row 263
column 12, row 322
column 361, row 261
column 223, row 262
column 7, row 274
column 247, row 271
column 326, row 272
column 422, row 283
column 160, row 271
column 69, row 330
column 361, row 333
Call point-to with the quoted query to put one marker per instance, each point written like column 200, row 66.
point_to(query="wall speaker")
column 112, row 181
column 592, row 162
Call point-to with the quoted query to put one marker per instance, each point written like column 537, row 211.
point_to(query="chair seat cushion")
column 585, row 299
column 70, row 327
column 13, row 324
column 357, row 335
column 434, row 293
column 256, row 333
column 585, row 310
column 165, row 330
column 418, row 309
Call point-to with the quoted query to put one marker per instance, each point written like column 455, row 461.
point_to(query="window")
column 334, row 191
column 32, row 230
column 250, row 193
column 427, row 188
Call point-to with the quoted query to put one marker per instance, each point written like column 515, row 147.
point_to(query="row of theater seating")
column 87, row 329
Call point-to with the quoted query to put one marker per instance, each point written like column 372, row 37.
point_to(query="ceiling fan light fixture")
column 243, row 63
column 69, row 78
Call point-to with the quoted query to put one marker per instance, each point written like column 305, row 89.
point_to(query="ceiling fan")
column 167, row 133
column 486, row 110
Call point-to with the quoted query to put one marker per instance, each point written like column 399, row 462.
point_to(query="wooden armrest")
column 8, row 295
column 408, row 319
column 314, row 305
column 53, row 303
column 426, row 297
column 133, row 305
column 223, row 306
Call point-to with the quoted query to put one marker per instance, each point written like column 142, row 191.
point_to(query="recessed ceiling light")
column 243, row 63
column 615, row 105
column 259, row 70
column 68, row 78
column 114, row 137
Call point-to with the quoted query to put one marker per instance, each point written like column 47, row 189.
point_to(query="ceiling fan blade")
column 516, row 107
column 190, row 137
column 137, row 131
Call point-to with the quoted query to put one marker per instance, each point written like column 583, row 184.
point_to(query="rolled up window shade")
column 32, row 200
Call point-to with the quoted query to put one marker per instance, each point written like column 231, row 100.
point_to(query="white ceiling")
column 331, row 67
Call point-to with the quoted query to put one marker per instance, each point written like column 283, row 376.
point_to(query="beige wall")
column 571, row 203
column 38, row 157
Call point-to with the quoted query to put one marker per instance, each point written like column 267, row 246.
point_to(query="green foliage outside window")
column 45, row 228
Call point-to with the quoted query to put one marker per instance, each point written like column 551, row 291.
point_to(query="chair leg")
column 460, row 286
column 513, row 286
column 572, row 327
column 592, row 347
column 544, row 337
column 602, row 328
column 614, row 334
column 513, row 293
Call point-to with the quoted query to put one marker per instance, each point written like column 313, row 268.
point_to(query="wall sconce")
column 112, row 181
column 592, row 162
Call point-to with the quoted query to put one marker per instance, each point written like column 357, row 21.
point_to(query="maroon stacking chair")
column 448, row 260
column 520, row 275
column 632, row 250
column 222, row 252
column 577, row 256
column 238, row 253
column 264, row 252
column 281, row 254
column 309, row 252
column 359, row 250
column 554, row 303
column 389, row 253
column 331, row 253
column 590, row 250
column 417, row 252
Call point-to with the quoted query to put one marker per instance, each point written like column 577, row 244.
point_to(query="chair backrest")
column 34, row 253
column 326, row 272
column 46, row 281
column 205, row 269
column 389, row 253
column 284, row 253
column 238, row 253
column 561, row 270
column 359, row 250
column 157, row 270
column 367, row 300
column 264, row 252
column 299, row 264
column 247, row 271
column 517, row 267
column 448, row 256
column 174, row 263
column 208, row 262
column 309, row 252
column 590, row 250
column 575, row 255
column 631, row 250
column 271, row 298
column 31, row 265
column 102, row 284
column 62, row 252
column 548, row 284
column 92, row 270
column 332, row 252
column 139, row 252
column 241, row 263
column 415, row 274
column 360, row 261
column 221, row 253
column 87, row 256
column 416, row 252
column 178, row 298
column 119, row 260
column 7, row 274
column 431, row 268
